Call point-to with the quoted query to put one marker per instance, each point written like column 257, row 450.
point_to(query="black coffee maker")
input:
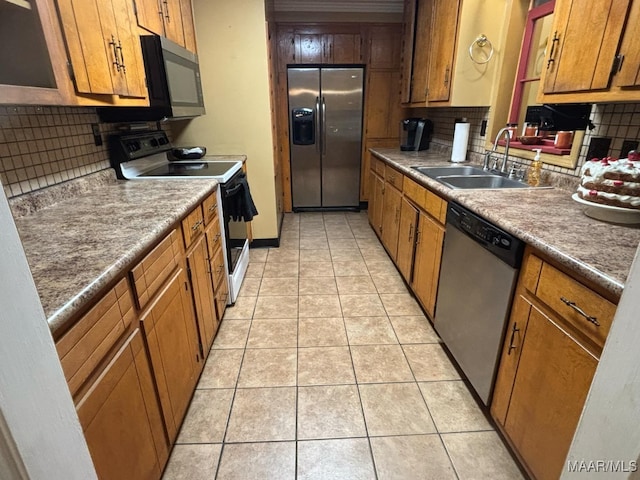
column 415, row 134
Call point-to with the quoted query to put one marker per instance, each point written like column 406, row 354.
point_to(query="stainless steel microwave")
column 173, row 83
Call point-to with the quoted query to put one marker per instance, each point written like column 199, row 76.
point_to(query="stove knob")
column 154, row 142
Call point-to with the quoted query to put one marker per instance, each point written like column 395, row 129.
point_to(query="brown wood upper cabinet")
column 33, row 36
column 553, row 341
column 170, row 18
column 103, row 46
column 438, row 69
column 327, row 48
column 592, row 53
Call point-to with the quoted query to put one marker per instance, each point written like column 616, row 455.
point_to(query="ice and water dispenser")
column 303, row 126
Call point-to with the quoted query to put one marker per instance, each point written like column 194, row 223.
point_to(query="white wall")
column 232, row 50
column 41, row 435
column 609, row 429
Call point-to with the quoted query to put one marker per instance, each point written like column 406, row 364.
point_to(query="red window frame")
column 533, row 15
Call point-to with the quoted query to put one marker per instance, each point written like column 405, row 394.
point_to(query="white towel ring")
column 481, row 42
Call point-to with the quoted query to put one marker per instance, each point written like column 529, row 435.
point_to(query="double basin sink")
column 467, row 177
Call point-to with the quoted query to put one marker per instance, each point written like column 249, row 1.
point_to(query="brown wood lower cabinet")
column 426, row 271
column 200, row 276
column 121, row 418
column 376, row 197
column 547, row 364
column 407, row 231
column 391, row 205
column 171, row 335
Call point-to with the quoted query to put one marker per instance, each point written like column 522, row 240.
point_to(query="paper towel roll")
column 460, row 142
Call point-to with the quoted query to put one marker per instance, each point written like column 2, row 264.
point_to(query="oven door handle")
column 232, row 191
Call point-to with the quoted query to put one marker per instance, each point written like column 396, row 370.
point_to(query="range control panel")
column 124, row 148
column 497, row 241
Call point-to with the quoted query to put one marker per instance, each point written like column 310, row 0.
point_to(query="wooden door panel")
column 385, row 47
column 391, row 219
column 587, row 41
column 149, row 15
column 406, row 238
column 380, row 92
column 344, row 48
column 553, row 379
column 445, row 26
column 629, row 75
column 426, row 270
column 202, row 287
column 173, row 21
column 186, row 12
column 409, row 23
column 130, row 51
column 111, row 34
column 423, row 50
column 309, row 48
column 121, row 418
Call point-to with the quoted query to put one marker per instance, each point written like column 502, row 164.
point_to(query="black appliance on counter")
column 415, row 134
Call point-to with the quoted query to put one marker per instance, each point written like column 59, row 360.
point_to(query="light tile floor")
column 326, row 368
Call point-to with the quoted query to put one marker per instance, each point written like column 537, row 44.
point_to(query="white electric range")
column 143, row 156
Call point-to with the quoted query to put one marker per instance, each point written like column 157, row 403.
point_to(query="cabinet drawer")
column 557, row 290
column 425, row 199
column 83, row 347
column 210, row 208
column 192, row 226
column 377, row 166
column 393, row 176
column 155, row 268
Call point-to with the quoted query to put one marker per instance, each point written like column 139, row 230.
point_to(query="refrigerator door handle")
column 323, row 126
column 318, row 130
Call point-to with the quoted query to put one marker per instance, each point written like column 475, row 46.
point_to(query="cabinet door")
column 629, row 75
column 406, row 238
column 309, row 48
column 149, row 14
column 121, row 419
column 186, row 11
column 422, row 51
column 170, row 329
column 426, row 268
column 286, row 49
column 342, row 48
column 202, row 286
column 385, row 44
column 129, row 50
column 383, row 105
column 550, row 388
column 173, row 21
column 408, row 37
column 375, row 203
column 391, row 219
column 91, row 41
column 445, row 26
column 583, row 45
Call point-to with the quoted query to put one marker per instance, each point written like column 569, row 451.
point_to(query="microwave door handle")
column 317, row 124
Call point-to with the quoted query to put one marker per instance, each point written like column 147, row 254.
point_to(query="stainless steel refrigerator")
column 325, row 132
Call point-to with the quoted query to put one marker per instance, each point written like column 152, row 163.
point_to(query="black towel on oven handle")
column 241, row 204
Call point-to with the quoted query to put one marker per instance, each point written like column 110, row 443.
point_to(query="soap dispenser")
column 535, row 169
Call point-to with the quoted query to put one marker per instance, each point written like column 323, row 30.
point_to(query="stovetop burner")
column 190, row 169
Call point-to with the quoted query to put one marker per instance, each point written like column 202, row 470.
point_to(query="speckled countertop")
column 548, row 219
column 81, row 235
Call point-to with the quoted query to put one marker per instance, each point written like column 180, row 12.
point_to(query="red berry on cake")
column 593, row 193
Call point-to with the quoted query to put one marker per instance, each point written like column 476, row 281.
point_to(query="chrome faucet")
column 487, row 157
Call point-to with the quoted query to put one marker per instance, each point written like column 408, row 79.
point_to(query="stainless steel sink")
column 480, row 181
column 434, row 172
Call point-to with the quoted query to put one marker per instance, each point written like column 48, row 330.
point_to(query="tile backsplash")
column 618, row 122
column 44, row 146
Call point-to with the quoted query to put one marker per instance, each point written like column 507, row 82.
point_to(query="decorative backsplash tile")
column 619, row 122
column 44, row 146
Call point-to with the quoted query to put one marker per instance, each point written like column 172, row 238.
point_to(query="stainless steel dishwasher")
column 478, row 274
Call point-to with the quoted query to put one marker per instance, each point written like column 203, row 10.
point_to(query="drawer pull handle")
column 573, row 305
column 196, row 225
column 213, row 207
column 513, row 334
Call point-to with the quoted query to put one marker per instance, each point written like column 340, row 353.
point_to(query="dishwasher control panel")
column 502, row 244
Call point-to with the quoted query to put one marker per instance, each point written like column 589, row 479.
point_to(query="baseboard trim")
column 264, row 243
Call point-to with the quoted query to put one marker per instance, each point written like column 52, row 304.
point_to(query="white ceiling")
column 363, row 6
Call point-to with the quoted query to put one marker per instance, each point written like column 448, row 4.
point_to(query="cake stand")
column 607, row 213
